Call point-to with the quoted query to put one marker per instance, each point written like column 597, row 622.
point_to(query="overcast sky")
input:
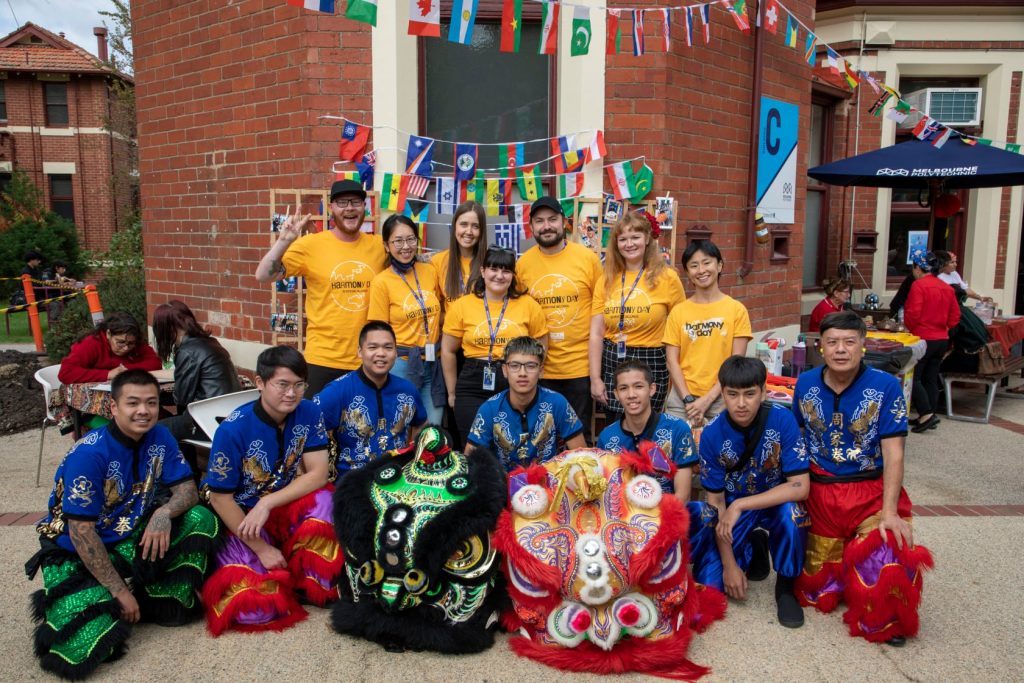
column 75, row 18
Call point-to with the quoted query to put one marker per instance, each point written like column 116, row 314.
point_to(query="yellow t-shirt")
column 466, row 320
column 395, row 302
column 440, row 261
column 563, row 284
column 645, row 309
column 338, row 278
column 704, row 334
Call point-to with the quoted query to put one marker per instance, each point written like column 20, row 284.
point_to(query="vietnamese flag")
column 511, row 25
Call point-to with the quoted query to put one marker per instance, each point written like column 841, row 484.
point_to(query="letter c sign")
column 771, row 141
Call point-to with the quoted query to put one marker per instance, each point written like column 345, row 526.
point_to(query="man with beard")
column 561, row 277
column 337, row 265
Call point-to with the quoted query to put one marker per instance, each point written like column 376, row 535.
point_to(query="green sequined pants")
column 79, row 622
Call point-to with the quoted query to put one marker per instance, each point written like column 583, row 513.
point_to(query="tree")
column 121, row 115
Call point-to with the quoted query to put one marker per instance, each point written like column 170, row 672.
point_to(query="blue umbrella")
column 919, row 164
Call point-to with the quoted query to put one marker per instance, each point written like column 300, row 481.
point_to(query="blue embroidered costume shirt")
column 670, row 433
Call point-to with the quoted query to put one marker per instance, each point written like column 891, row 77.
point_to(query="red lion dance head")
column 596, row 559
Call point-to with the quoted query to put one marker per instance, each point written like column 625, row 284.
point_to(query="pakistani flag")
column 580, row 31
column 362, row 10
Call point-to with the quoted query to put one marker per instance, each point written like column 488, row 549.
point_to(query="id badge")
column 489, row 377
column 429, row 354
column 620, row 347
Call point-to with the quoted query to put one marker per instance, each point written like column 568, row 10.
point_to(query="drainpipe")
column 755, row 141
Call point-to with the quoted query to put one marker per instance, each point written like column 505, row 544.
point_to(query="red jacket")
column 824, row 307
column 91, row 360
column 931, row 310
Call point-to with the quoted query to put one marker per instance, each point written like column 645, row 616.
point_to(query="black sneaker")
column 791, row 614
column 760, row 564
column 896, row 641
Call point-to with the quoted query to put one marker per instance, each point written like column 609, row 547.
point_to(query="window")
column 62, row 201
column 3, row 101
column 5, row 181
column 55, row 98
column 816, row 213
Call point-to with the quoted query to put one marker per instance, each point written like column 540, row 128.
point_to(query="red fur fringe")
column 808, row 585
column 281, row 601
column 303, row 562
column 704, row 606
column 675, row 523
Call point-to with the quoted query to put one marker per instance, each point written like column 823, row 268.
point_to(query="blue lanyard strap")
column 421, row 300
column 493, row 330
column 624, row 296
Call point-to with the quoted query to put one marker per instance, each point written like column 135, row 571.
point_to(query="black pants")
column 577, row 392
column 926, row 377
column 470, row 394
column 320, row 376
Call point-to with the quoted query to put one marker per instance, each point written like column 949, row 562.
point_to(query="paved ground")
column 966, row 479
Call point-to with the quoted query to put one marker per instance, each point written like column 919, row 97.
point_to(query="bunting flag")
column 597, row 149
column 465, row 160
column 568, row 186
column 366, row 167
column 739, row 14
column 900, row 113
column 705, row 18
column 638, row 32
column 833, row 59
column 473, row 189
column 809, row 45
column 326, row 6
column 790, row 32
column 942, row 138
column 629, row 185
column 984, row 141
column 872, row 82
column 353, row 140
column 926, row 127
column 393, row 192
column 643, row 181
column 507, row 235
column 968, row 141
column 518, row 213
column 511, row 25
column 346, row 175
column 613, row 38
column 566, row 156
column 510, row 158
column 527, row 178
column 525, row 233
column 581, row 31
column 362, row 10
column 852, row 79
column 1012, row 147
column 463, row 19
column 446, row 196
column 416, row 186
column 417, row 210
column 879, row 105
column 666, row 30
column 419, row 157
column 688, row 14
column 548, row 28
column 771, row 16
column 493, row 197
column 425, row 18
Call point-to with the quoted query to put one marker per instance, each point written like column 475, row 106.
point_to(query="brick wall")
column 228, row 98
column 999, row 279
column 690, row 115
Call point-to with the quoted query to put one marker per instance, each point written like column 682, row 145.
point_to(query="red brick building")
column 54, row 100
column 230, row 98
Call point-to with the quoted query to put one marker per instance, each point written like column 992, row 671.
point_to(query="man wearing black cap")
column 561, row 276
column 338, row 265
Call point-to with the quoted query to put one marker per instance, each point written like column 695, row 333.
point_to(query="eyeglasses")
column 407, row 242
column 516, row 366
column 347, row 203
column 124, row 342
column 283, row 387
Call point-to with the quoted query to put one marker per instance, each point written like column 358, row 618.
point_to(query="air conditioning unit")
column 951, row 106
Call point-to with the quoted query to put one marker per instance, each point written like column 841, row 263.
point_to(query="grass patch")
column 20, row 332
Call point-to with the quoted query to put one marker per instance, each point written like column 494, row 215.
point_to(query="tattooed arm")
column 156, row 539
column 94, row 556
column 270, row 267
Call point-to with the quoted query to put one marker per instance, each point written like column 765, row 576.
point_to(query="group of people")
column 524, row 348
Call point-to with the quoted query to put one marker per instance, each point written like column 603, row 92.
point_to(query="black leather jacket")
column 202, row 369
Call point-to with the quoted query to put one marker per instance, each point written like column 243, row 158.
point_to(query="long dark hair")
column 393, row 221
column 168, row 319
column 497, row 257
column 118, row 323
column 453, row 281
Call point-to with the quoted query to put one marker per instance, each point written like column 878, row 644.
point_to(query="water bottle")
column 799, row 357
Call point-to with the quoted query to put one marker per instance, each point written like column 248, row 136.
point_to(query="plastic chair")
column 48, row 378
column 210, row 412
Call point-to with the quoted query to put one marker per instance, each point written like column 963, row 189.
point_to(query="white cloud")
column 74, row 18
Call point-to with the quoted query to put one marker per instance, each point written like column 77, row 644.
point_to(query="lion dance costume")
column 420, row 569
column 596, row 559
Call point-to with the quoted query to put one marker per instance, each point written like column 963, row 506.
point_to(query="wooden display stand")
column 282, row 201
column 598, row 206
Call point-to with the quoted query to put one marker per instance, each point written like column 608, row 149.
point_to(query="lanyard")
column 624, row 296
column 493, row 331
column 421, row 300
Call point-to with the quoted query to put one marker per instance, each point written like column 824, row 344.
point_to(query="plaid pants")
column 655, row 359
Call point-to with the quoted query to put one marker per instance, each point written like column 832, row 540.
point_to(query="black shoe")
column 791, row 614
column 896, row 641
column 760, row 564
column 924, row 426
column 934, row 422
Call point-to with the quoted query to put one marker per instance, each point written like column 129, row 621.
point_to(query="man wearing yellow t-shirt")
column 338, row 265
column 561, row 277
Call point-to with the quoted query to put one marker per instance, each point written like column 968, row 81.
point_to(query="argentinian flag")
column 463, row 18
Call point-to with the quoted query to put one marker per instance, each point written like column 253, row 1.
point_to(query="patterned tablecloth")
column 1007, row 332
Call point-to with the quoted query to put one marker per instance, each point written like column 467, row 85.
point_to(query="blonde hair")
column 615, row 265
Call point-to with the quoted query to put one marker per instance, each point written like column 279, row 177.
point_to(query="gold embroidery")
column 82, row 491
column 221, row 466
column 822, row 550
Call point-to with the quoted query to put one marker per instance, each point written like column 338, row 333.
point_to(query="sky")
column 75, row 18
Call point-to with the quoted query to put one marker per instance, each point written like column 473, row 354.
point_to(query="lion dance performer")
column 860, row 548
column 597, row 559
column 420, row 569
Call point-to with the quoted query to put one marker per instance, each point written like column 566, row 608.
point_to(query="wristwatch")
column 689, row 398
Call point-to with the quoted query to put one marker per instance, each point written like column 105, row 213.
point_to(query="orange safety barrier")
column 33, row 312
column 92, row 297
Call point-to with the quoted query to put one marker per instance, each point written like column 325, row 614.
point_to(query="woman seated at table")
column 202, row 368
column 837, row 294
column 115, row 346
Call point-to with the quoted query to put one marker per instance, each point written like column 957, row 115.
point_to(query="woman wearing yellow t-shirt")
column 469, row 242
column 407, row 295
column 481, row 323
column 700, row 334
column 630, row 304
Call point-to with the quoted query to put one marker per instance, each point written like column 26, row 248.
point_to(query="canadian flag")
column 425, row 18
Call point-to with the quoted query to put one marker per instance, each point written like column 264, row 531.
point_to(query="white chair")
column 210, row 412
column 48, row 378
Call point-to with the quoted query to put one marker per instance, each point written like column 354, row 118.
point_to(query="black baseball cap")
column 341, row 187
column 546, row 202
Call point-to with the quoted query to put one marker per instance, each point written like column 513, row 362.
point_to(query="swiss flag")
column 771, row 16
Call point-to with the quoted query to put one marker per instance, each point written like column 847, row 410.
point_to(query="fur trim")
column 110, row 646
column 282, row 601
column 808, row 586
column 303, row 562
column 543, row 575
column 675, row 524
column 704, row 606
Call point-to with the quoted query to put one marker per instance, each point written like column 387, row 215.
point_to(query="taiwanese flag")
column 425, row 18
column 354, row 137
column 511, row 25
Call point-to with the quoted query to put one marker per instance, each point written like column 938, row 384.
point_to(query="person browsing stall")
column 337, row 265
column 482, row 323
column 561, row 276
column 630, row 306
column 372, row 410
column 407, row 295
column 948, row 274
column 837, row 295
column 525, row 423
column 467, row 247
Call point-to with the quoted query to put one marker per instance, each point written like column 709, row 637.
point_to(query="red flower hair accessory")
column 655, row 227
